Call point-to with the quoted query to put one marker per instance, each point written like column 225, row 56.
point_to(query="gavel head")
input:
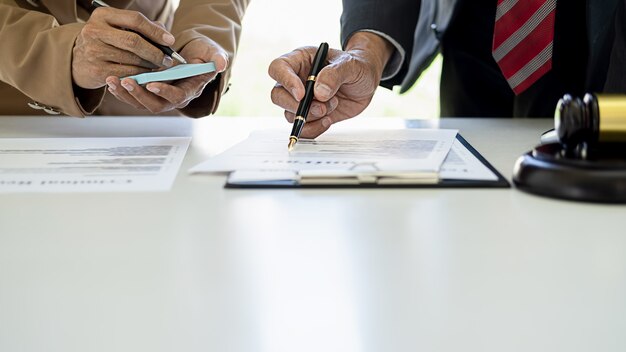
column 576, row 120
column 597, row 118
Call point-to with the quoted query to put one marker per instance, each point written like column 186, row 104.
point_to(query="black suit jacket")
column 419, row 25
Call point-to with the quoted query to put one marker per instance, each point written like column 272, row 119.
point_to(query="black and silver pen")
column 165, row 49
column 305, row 104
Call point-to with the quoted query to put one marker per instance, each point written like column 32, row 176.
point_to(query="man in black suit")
column 390, row 42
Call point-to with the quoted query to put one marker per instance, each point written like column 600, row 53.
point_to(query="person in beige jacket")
column 64, row 57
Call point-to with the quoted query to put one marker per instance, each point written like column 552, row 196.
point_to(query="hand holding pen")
column 344, row 87
column 164, row 49
column 108, row 45
column 305, row 104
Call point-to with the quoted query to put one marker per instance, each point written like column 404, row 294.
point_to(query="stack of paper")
column 407, row 156
column 136, row 164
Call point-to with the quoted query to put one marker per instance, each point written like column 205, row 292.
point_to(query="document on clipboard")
column 360, row 158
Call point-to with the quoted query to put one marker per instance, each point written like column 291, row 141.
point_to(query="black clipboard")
column 501, row 182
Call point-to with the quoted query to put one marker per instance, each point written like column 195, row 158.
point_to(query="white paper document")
column 90, row 164
column 461, row 164
column 362, row 156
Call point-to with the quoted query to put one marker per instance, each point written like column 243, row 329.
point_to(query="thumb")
column 221, row 61
column 332, row 77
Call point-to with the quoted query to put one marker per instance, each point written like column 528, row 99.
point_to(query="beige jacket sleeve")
column 37, row 58
column 219, row 20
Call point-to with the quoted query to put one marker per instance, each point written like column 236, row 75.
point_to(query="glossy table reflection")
column 202, row 268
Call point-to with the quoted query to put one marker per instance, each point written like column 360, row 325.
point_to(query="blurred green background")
column 274, row 27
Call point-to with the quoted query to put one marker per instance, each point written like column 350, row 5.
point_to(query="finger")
column 290, row 116
column 113, row 82
column 317, row 110
column 134, row 43
column 284, row 73
column 315, row 128
column 331, row 105
column 124, row 97
column 283, row 99
column 174, row 95
column 102, row 45
column 114, row 55
column 153, row 103
column 221, row 61
column 341, row 70
column 115, row 88
column 135, row 21
column 337, row 115
column 320, row 109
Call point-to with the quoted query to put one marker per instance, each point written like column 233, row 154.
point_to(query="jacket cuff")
column 397, row 58
column 61, row 93
column 394, row 19
column 207, row 103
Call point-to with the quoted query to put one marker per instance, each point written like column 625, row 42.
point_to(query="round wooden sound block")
column 591, row 175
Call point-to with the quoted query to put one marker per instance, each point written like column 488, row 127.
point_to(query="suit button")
column 51, row 111
column 35, row 105
column 436, row 30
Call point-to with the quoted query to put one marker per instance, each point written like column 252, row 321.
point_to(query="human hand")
column 106, row 47
column 344, row 88
column 158, row 97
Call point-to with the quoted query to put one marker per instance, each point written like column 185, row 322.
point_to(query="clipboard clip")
column 365, row 167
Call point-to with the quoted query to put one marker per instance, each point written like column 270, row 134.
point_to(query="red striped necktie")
column 523, row 40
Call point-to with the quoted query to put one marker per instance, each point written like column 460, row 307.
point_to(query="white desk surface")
column 202, row 268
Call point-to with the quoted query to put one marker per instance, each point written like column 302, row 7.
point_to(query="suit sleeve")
column 219, row 20
column 397, row 19
column 37, row 59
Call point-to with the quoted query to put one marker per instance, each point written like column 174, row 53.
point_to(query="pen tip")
column 178, row 57
column 292, row 142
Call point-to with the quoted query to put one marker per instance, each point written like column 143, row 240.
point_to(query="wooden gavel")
column 596, row 118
